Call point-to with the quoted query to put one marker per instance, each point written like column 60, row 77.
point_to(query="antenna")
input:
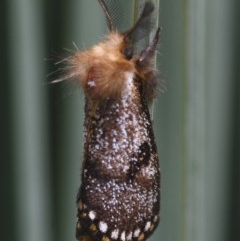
column 107, row 14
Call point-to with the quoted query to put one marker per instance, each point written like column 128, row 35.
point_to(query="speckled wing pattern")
column 120, row 191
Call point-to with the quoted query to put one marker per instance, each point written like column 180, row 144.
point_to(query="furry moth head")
column 101, row 70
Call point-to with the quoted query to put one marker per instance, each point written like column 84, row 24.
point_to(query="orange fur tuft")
column 102, row 70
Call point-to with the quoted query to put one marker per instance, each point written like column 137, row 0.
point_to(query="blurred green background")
column 196, row 120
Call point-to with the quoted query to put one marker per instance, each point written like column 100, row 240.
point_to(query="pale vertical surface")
column 218, row 100
column 169, row 119
column 194, row 115
column 194, row 124
column 33, row 216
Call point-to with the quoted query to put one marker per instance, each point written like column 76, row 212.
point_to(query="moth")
column 119, row 197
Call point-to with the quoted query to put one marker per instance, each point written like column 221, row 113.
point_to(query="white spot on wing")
column 92, row 215
column 123, row 236
column 147, row 226
column 103, row 227
column 114, row 234
column 129, row 236
column 136, row 233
